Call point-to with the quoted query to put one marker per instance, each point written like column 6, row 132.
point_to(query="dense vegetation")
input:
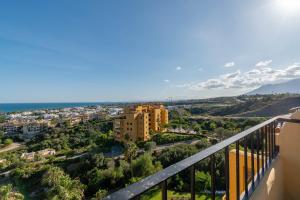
column 82, row 136
column 4, row 141
column 84, row 166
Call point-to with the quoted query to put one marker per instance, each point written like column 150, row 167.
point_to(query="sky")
column 138, row 50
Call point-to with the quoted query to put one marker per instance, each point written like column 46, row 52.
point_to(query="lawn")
column 156, row 195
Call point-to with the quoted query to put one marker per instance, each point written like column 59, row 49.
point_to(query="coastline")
column 20, row 107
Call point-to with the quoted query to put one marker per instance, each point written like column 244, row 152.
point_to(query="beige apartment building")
column 137, row 121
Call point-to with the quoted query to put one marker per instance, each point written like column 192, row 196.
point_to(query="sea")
column 19, row 107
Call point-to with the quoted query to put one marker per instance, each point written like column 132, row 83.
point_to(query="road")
column 5, row 174
column 10, row 147
column 164, row 146
column 221, row 117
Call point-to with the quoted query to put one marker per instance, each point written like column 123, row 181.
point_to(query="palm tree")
column 100, row 195
column 130, row 152
column 5, row 190
column 52, row 176
column 7, row 193
column 61, row 186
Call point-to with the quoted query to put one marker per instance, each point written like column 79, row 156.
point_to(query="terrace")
column 259, row 163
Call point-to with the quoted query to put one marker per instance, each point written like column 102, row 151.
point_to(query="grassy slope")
column 156, row 195
column 279, row 107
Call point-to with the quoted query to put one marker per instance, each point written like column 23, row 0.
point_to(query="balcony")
column 262, row 162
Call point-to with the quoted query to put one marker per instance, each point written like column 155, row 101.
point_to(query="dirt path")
column 10, row 147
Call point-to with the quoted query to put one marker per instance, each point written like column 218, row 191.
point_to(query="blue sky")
column 72, row 51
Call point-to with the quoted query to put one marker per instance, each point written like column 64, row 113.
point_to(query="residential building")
column 11, row 128
column 137, row 121
column 28, row 156
column 46, row 152
column 33, row 128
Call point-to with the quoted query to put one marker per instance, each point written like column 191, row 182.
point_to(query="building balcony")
column 260, row 163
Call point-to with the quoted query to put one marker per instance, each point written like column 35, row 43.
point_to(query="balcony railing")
column 262, row 142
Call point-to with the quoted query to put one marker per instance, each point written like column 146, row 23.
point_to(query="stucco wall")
column 271, row 186
column 282, row 182
column 289, row 139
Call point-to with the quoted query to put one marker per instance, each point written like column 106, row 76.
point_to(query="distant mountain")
column 292, row 87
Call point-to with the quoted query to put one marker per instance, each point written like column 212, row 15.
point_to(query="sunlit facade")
column 136, row 122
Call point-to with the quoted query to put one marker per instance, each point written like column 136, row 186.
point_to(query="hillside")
column 291, row 86
column 275, row 108
column 248, row 106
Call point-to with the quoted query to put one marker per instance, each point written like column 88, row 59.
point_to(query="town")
column 28, row 124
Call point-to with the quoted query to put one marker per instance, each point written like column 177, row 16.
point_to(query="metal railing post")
column 270, row 142
column 258, row 144
column 266, row 147
column 262, row 138
column 192, row 169
column 246, row 167
column 164, row 191
column 213, row 177
column 252, row 161
column 227, row 171
column 237, row 145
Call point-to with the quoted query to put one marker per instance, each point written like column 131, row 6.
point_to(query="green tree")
column 220, row 132
column 202, row 144
column 7, row 193
column 61, row 186
column 7, row 141
column 203, row 180
column 127, row 137
column 2, row 119
column 105, row 178
column 144, row 166
column 98, row 160
column 213, row 126
column 150, row 146
column 197, row 128
column 175, row 154
column 1, row 134
column 100, row 195
column 130, row 152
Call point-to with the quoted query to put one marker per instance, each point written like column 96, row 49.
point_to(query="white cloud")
column 248, row 80
column 178, row 68
column 264, row 63
column 229, row 64
column 167, row 81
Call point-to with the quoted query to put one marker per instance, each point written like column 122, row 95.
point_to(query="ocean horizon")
column 19, row 107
